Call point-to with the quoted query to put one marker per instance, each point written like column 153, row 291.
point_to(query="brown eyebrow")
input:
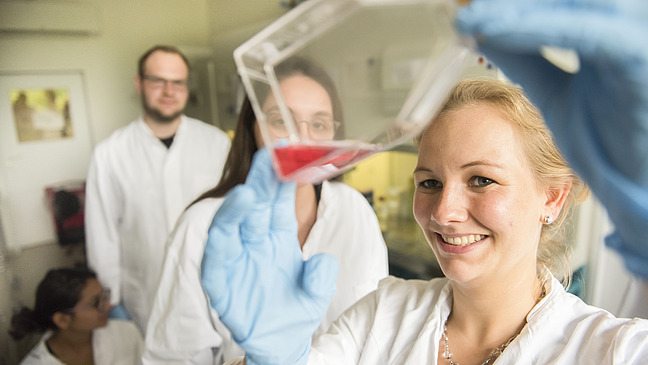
column 273, row 109
column 319, row 114
column 481, row 163
column 324, row 114
column 465, row 166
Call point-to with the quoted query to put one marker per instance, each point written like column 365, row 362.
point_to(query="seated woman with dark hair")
column 72, row 309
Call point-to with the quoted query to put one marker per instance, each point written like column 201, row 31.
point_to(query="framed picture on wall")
column 45, row 141
column 41, row 114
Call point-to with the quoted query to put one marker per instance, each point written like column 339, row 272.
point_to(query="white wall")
column 607, row 280
column 108, row 62
column 232, row 23
column 228, row 15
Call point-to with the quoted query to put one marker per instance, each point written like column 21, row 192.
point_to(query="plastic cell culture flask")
column 334, row 81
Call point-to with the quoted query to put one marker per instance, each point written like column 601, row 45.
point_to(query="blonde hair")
column 549, row 166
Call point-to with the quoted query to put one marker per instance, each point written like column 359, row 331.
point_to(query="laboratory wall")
column 106, row 60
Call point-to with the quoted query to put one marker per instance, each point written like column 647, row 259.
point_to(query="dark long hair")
column 59, row 290
column 239, row 159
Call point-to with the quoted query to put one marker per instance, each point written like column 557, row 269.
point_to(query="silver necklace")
column 491, row 358
column 496, row 352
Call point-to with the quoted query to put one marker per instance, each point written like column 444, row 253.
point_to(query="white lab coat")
column 183, row 329
column 119, row 343
column 135, row 192
column 402, row 323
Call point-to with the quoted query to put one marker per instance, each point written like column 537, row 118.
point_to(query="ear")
column 62, row 320
column 556, row 197
column 138, row 84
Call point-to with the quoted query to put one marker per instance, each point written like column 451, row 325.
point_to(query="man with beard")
column 140, row 180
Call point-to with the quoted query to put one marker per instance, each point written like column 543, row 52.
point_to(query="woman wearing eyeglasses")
column 332, row 218
column 72, row 309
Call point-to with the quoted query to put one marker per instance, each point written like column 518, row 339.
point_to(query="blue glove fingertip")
column 225, row 226
column 237, row 204
column 320, row 275
column 261, row 169
column 119, row 312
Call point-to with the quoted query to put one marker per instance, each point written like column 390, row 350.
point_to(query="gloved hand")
column 599, row 116
column 254, row 275
column 119, row 312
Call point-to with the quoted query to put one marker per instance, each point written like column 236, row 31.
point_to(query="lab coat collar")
column 553, row 288
column 523, row 349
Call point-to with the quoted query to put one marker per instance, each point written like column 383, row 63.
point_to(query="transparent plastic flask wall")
column 387, row 66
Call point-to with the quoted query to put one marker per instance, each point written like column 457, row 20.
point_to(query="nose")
column 105, row 307
column 449, row 206
column 168, row 87
column 304, row 129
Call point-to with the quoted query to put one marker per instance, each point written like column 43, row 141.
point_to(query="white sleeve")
column 103, row 204
column 345, row 339
column 180, row 329
column 363, row 259
column 118, row 343
column 375, row 257
column 630, row 345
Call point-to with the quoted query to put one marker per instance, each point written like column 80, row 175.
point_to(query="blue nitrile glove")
column 599, row 115
column 271, row 300
column 119, row 312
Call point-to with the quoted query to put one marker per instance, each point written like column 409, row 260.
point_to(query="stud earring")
column 548, row 219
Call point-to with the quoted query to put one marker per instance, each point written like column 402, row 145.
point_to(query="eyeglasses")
column 159, row 83
column 100, row 302
column 319, row 128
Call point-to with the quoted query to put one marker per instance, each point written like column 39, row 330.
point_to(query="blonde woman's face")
column 476, row 198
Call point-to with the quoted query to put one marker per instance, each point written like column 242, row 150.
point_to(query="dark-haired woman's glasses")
column 320, row 128
column 100, row 302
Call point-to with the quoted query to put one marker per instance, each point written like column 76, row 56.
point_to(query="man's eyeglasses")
column 319, row 128
column 100, row 302
column 159, row 83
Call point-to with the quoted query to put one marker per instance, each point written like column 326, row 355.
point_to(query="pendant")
column 447, row 354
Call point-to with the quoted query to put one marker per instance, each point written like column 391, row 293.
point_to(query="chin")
column 458, row 277
column 459, row 271
column 167, row 118
column 102, row 322
column 160, row 116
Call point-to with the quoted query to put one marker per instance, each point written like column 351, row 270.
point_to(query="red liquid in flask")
column 312, row 163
